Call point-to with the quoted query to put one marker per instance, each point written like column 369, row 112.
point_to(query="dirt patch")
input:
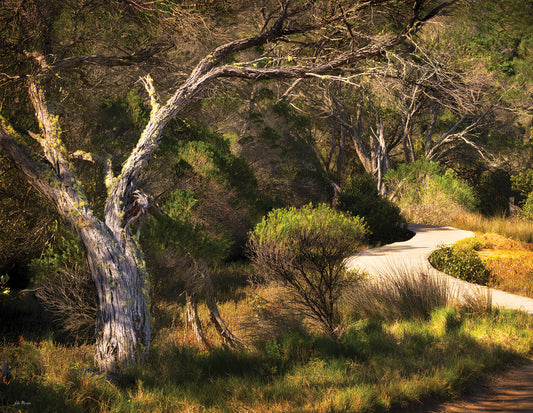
column 509, row 391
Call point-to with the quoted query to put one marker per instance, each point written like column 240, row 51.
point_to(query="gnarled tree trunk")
column 114, row 258
column 121, row 280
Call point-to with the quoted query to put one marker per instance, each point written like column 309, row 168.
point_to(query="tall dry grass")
column 515, row 228
column 405, row 293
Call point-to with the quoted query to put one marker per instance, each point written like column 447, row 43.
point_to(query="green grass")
column 374, row 366
column 420, row 351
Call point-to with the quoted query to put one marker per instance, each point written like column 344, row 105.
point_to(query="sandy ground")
column 509, row 391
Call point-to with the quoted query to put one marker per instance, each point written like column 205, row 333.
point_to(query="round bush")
column 304, row 250
column 464, row 264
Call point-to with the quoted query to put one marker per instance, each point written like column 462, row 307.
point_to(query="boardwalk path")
column 412, row 255
column 511, row 391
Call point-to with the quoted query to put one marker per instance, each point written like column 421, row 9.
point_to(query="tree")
column 361, row 120
column 113, row 254
column 409, row 99
column 447, row 106
column 345, row 109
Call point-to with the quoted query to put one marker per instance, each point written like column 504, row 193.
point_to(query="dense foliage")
column 360, row 198
column 428, row 193
column 445, row 106
column 462, row 263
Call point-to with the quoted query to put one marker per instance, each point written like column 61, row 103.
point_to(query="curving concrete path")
column 412, row 255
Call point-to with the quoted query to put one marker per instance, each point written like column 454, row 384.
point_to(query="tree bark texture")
column 114, row 258
column 122, row 321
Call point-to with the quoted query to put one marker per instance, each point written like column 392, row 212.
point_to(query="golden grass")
column 509, row 260
column 512, row 276
column 374, row 365
column 514, row 228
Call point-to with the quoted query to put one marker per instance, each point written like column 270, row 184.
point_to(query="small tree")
column 304, row 250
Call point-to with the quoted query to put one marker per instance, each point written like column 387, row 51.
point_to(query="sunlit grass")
column 510, row 261
column 378, row 362
column 515, row 228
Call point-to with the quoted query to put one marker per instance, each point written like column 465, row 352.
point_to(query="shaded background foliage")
column 243, row 148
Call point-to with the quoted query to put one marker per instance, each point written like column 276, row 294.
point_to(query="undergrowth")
column 375, row 365
column 379, row 361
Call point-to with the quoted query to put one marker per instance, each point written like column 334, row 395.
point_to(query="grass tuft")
column 399, row 294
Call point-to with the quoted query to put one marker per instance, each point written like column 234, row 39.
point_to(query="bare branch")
column 149, row 86
column 86, row 156
column 41, row 176
column 108, row 61
column 290, row 89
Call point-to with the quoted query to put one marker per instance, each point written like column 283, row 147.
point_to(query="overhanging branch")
column 40, row 176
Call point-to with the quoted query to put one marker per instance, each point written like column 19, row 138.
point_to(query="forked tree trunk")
column 193, row 319
column 201, row 279
column 122, row 320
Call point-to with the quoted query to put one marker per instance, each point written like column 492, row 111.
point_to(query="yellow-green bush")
column 304, row 250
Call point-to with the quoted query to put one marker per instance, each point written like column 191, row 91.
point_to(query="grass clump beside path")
column 515, row 228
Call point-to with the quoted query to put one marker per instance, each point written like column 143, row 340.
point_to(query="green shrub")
column 360, row 197
column 427, row 193
column 527, row 208
column 304, row 250
column 523, row 182
column 64, row 252
column 461, row 263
